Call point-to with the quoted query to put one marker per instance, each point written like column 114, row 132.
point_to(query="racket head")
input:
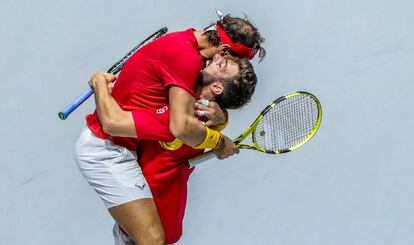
column 286, row 124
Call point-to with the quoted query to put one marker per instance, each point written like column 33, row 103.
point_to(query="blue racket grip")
column 63, row 114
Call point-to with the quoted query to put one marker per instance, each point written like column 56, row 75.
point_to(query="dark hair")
column 240, row 31
column 238, row 91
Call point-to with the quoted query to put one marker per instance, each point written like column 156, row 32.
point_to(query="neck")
column 198, row 92
column 205, row 48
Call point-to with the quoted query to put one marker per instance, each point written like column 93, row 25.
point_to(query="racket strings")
column 287, row 124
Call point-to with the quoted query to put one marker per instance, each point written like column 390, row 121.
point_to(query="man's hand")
column 111, row 86
column 101, row 78
column 226, row 148
column 212, row 111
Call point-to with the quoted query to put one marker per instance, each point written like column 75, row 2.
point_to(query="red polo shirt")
column 171, row 60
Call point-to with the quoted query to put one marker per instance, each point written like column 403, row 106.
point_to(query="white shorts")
column 112, row 170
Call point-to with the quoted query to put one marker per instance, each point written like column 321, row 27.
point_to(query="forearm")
column 114, row 120
column 142, row 123
column 188, row 129
column 104, row 103
column 183, row 123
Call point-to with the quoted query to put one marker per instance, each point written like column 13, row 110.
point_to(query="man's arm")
column 183, row 124
column 118, row 122
column 114, row 120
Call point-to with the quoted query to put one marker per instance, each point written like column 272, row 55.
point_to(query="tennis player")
column 163, row 162
column 162, row 73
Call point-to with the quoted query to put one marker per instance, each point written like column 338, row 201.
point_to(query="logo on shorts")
column 162, row 110
column 140, row 186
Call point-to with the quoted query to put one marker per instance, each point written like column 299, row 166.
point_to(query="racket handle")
column 63, row 114
column 200, row 158
column 114, row 70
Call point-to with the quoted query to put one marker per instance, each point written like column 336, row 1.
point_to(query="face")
column 222, row 67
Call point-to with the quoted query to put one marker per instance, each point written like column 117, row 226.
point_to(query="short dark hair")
column 238, row 91
column 241, row 31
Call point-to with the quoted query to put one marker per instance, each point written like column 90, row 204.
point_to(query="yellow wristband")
column 172, row 145
column 212, row 139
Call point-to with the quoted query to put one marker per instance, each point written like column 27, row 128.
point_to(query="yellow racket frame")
column 255, row 146
column 253, row 126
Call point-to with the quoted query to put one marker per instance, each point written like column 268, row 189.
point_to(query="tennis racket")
column 283, row 126
column 63, row 114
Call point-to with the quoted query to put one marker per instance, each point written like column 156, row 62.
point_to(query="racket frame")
column 253, row 126
column 251, row 129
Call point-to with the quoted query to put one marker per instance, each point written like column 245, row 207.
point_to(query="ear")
column 217, row 88
column 224, row 49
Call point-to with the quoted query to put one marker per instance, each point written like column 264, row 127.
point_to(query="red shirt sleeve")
column 153, row 124
column 180, row 71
